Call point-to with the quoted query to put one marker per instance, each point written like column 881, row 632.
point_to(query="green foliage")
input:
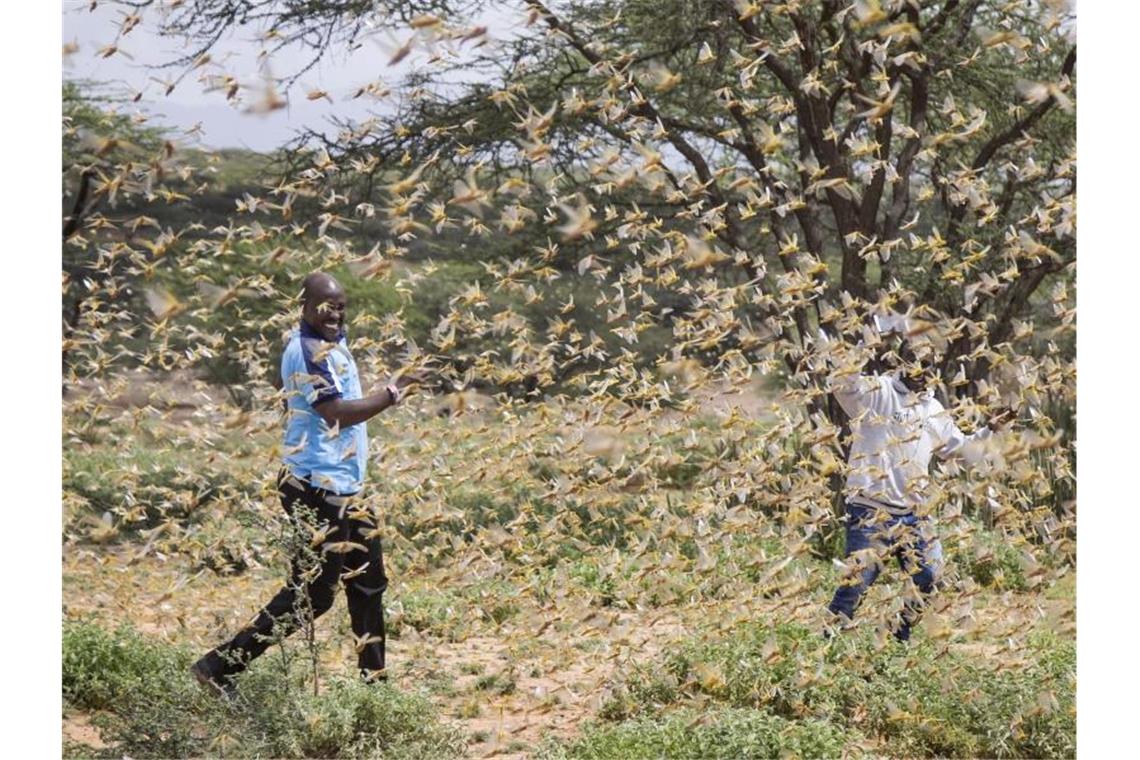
column 921, row 705
column 148, row 486
column 450, row 613
column 155, row 709
column 496, row 603
column 426, row 611
column 598, row 579
column 236, row 170
column 102, row 669
column 961, row 709
column 484, row 508
column 90, row 118
column 496, row 683
column 717, row 733
column 349, row 719
column 124, row 486
column 996, row 564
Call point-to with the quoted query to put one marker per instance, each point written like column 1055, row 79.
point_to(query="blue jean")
column 872, row 535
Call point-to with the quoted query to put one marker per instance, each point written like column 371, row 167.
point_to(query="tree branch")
column 1023, row 126
column 645, row 109
column 900, row 188
column 813, row 116
column 71, row 226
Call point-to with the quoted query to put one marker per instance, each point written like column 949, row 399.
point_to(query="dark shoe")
column 374, row 676
column 206, row 672
column 901, row 631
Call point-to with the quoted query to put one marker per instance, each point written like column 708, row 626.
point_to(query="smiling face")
column 324, row 306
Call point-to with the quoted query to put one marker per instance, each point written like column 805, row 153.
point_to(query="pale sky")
column 224, row 124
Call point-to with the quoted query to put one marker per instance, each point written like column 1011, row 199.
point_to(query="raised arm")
column 337, row 411
column 971, row 448
column 319, row 383
column 852, row 387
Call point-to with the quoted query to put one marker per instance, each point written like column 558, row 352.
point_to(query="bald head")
column 318, row 286
column 323, row 305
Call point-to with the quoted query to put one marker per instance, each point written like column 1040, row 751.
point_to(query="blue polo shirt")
column 313, row 371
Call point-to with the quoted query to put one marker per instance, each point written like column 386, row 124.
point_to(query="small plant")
column 599, row 581
column 498, row 683
column 431, row 612
column 470, row 709
column 996, row 564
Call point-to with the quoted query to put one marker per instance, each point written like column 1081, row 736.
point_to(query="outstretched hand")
column 407, row 381
column 1001, row 417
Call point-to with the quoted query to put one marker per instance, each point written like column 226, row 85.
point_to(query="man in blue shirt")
column 326, row 453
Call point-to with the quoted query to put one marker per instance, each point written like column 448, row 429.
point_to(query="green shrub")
column 482, row 509
column 101, row 668
column 153, row 708
column 721, row 733
column 497, row 683
column 761, row 666
column 597, row 579
column 498, row 606
column 996, row 564
column 145, row 686
column 434, row 612
column 954, row 708
column 474, row 509
column 678, row 474
column 147, row 486
column 449, row 613
column 349, row 719
column 919, row 701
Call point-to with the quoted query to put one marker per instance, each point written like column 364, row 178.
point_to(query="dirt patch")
column 78, row 729
column 512, row 691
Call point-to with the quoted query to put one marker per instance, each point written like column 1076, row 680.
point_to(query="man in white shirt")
column 896, row 425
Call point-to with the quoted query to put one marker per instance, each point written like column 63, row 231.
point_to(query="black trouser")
column 316, row 573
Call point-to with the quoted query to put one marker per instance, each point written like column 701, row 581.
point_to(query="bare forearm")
column 342, row 412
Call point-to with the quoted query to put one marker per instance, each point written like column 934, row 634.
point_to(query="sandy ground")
column 557, row 663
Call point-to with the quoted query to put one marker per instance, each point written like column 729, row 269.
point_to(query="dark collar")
column 309, row 332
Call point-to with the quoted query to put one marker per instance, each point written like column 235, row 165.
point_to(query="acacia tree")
column 896, row 140
column 737, row 174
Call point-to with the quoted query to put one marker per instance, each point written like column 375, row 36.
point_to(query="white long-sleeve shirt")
column 895, row 434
